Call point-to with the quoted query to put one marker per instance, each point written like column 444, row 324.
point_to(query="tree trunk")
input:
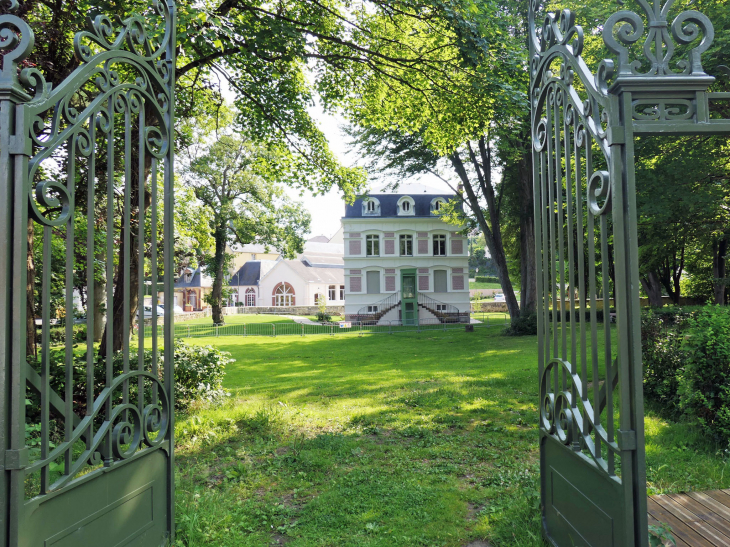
column 99, row 310
column 720, row 250
column 30, row 340
column 221, row 239
column 134, row 265
column 492, row 236
column 528, row 273
column 653, row 288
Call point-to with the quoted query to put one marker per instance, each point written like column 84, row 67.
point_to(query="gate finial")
column 16, row 43
column 625, row 28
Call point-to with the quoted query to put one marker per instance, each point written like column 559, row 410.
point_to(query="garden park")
column 586, row 147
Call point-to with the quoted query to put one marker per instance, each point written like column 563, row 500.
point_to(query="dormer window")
column 406, row 206
column 371, row 207
column 188, row 276
column 436, row 206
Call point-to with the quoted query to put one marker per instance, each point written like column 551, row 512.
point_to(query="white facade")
column 387, row 234
column 317, row 272
column 291, row 283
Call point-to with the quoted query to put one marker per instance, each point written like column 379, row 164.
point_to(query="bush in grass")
column 322, row 315
column 57, row 335
column 199, row 372
column 523, row 326
column 704, row 386
column 486, row 279
column 663, row 357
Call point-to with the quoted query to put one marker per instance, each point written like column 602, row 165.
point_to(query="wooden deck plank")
column 720, row 496
column 705, row 513
column 710, row 502
column 710, row 533
column 679, row 528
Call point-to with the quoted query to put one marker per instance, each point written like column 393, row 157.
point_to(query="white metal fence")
column 183, row 330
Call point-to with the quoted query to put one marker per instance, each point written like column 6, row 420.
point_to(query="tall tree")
column 238, row 182
column 450, row 125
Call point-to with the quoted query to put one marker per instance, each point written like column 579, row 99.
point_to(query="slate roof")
column 317, row 275
column 198, row 280
column 389, row 205
column 319, row 239
column 250, row 273
column 323, row 255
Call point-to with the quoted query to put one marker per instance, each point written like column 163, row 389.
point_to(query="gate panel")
column 591, row 382
column 86, row 189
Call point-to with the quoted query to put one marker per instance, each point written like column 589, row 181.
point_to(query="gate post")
column 586, row 133
column 15, row 151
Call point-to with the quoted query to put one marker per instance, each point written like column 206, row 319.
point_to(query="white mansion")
column 402, row 262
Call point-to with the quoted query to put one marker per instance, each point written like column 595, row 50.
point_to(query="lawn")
column 382, row 440
column 240, row 319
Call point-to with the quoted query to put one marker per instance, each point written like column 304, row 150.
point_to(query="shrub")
column 486, row 279
column 523, row 326
column 199, row 372
column 57, row 335
column 322, row 315
column 661, row 347
column 704, row 387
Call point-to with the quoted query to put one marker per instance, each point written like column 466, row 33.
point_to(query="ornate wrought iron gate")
column 591, row 421
column 86, row 172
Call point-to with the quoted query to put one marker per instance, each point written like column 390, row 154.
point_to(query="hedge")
column 486, row 279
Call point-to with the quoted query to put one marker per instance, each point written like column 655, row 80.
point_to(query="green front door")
column 409, row 297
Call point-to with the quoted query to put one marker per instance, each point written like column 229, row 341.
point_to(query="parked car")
column 499, row 297
column 148, row 311
column 175, row 309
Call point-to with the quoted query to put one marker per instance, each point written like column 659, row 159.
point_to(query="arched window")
column 406, row 206
column 250, row 297
column 436, row 206
column 370, row 207
column 283, row 295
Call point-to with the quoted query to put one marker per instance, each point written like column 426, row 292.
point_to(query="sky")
column 327, row 210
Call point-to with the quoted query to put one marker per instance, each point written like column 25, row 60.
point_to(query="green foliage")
column 239, row 184
column 705, row 384
column 661, row 344
column 57, row 335
column 686, row 355
column 322, row 315
column 661, row 535
column 524, row 325
column 199, row 372
column 700, row 284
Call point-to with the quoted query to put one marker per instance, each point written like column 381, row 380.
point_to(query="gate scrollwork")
column 84, row 162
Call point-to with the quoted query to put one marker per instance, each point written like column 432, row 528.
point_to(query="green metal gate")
column 591, row 418
column 86, row 179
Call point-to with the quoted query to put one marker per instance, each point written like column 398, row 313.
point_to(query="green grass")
column 401, row 440
column 475, row 285
column 240, row 319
